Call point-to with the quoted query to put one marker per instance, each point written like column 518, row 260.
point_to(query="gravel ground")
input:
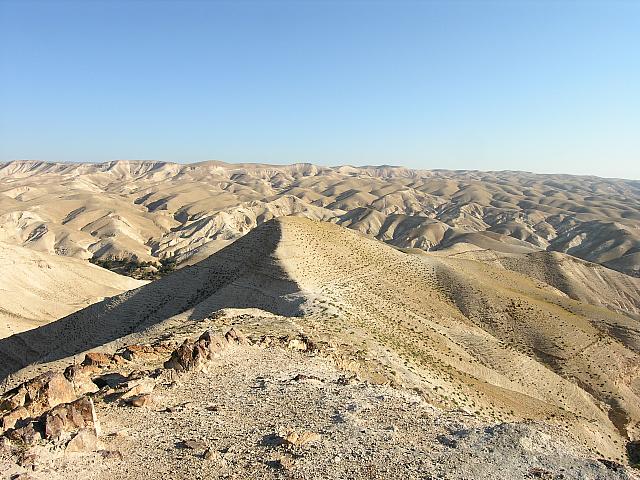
column 236, row 420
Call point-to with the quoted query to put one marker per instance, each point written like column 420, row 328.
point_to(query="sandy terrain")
column 38, row 287
column 465, row 335
column 148, row 210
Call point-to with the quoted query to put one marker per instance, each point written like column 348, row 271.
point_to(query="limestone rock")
column 85, row 440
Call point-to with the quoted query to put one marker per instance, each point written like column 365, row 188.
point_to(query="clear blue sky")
column 543, row 86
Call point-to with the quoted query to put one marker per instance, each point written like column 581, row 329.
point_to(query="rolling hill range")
column 150, row 210
column 468, row 336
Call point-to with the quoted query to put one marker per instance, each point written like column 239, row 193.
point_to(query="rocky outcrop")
column 98, row 359
column 195, row 355
column 71, row 417
column 81, row 378
column 34, row 397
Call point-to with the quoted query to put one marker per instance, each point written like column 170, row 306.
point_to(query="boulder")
column 137, row 387
column 11, row 418
column 80, row 377
column 85, row 440
column 69, row 417
column 34, row 397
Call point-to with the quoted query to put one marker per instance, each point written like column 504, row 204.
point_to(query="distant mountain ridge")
column 148, row 209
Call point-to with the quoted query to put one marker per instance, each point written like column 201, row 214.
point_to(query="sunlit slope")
column 478, row 336
column 38, row 288
column 580, row 280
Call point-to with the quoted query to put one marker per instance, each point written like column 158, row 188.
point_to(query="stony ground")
column 272, row 413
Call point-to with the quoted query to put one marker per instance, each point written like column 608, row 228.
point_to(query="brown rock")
column 145, row 400
column 131, row 352
column 85, row 440
column 10, row 419
column 194, row 355
column 111, row 454
column 80, row 377
column 70, row 417
column 235, row 336
column 139, row 387
column 98, row 359
column 34, row 397
column 118, row 359
column 28, row 460
column 189, row 356
column 215, row 342
column 46, row 391
column 22, row 476
column 193, row 444
column 27, row 435
column 13, row 398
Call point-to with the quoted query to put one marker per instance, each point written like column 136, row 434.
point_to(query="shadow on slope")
column 244, row 274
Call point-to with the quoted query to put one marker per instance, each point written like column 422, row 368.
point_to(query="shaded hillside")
column 244, row 274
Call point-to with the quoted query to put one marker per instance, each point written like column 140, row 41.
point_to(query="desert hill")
column 38, row 287
column 579, row 279
column 465, row 335
column 149, row 210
